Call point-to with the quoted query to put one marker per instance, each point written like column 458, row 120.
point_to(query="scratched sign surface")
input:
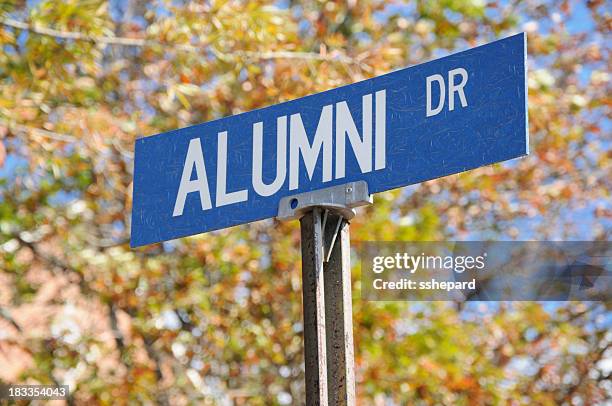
column 439, row 118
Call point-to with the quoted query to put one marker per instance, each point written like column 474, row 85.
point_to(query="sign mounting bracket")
column 341, row 199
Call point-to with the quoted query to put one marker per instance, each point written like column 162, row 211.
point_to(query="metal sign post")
column 326, row 288
column 313, row 282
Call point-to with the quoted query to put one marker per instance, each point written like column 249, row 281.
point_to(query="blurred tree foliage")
column 216, row 318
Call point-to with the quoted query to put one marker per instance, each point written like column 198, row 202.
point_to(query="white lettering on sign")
column 310, row 153
column 281, row 158
column 223, row 197
column 452, row 89
column 381, row 130
column 199, row 184
column 362, row 146
column 368, row 147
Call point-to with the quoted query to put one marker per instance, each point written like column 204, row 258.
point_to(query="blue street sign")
column 442, row 117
